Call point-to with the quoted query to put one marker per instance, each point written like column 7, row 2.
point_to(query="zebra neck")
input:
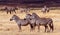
column 17, row 20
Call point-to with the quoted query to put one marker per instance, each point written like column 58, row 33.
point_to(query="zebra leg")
column 51, row 27
column 38, row 28
column 31, row 27
column 7, row 12
column 47, row 10
column 46, row 28
column 19, row 25
column 10, row 12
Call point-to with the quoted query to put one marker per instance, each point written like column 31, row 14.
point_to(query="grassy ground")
column 8, row 27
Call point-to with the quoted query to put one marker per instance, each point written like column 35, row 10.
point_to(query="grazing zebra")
column 25, row 10
column 45, row 9
column 9, row 9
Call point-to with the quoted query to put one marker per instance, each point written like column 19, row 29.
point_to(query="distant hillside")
column 31, row 3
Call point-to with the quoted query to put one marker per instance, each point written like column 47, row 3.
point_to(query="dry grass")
column 8, row 27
